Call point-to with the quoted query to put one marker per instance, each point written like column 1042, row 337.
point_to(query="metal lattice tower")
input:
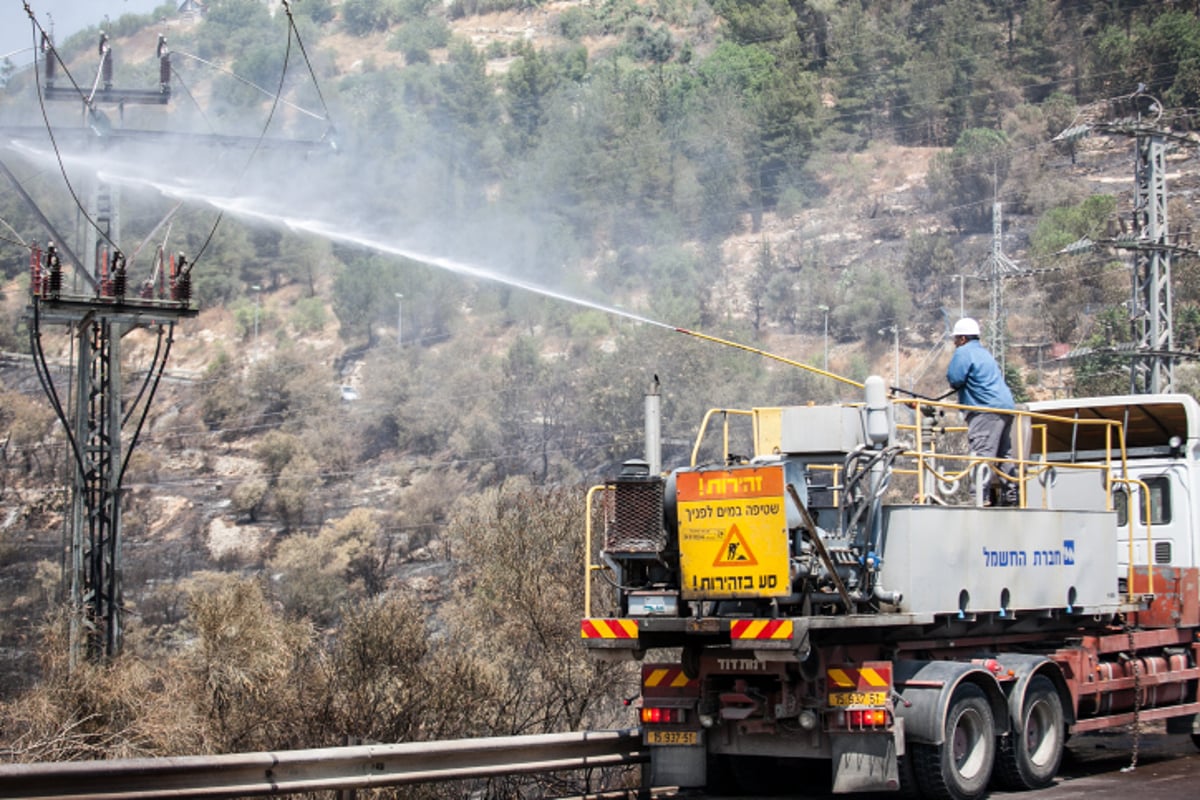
column 95, row 571
column 997, row 267
column 1153, row 370
column 98, row 312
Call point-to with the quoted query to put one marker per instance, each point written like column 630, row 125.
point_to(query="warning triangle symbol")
column 734, row 551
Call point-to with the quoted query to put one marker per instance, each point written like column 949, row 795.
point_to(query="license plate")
column 690, row 738
column 858, row 699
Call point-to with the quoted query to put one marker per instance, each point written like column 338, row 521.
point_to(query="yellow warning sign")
column 733, row 539
column 734, row 551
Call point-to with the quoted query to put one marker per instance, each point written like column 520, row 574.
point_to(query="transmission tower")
column 997, row 267
column 1137, row 116
column 1153, row 370
column 98, row 310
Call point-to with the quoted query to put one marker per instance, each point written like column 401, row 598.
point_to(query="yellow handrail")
column 1149, row 538
column 588, row 566
column 725, row 431
column 1025, row 468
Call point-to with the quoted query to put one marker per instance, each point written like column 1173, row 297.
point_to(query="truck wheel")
column 960, row 767
column 909, row 790
column 1029, row 758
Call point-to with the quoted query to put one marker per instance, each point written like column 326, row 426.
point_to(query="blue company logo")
column 1062, row 557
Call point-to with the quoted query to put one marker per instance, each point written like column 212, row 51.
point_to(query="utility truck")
column 843, row 591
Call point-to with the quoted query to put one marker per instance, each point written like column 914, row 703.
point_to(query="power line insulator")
column 164, row 65
column 120, row 280
column 181, row 288
column 35, row 270
column 106, row 67
column 54, row 272
column 51, row 59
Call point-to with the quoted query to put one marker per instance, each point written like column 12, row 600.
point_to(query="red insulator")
column 35, row 270
column 105, row 283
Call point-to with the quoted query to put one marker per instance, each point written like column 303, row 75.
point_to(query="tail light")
column 663, row 716
column 862, row 718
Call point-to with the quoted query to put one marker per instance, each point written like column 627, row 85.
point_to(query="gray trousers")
column 990, row 436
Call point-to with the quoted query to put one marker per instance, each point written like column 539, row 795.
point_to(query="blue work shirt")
column 977, row 377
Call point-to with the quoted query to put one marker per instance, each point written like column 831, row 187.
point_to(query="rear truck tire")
column 1196, row 740
column 1030, row 756
column 909, row 790
column 960, row 767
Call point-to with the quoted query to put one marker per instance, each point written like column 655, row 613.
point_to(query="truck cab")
column 1155, row 469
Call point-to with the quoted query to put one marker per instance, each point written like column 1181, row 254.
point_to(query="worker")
column 974, row 373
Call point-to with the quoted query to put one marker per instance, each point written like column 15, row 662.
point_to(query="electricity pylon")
column 98, row 310
column 997, row 267
column 1150, row 308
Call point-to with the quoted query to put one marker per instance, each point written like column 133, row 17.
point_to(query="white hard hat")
column 965, row 327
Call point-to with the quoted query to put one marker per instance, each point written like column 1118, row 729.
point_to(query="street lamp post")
column 824, row 309
column 896, row 339
column 399, row 320
column 257, row 294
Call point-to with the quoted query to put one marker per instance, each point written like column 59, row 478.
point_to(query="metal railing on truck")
column 931, row 468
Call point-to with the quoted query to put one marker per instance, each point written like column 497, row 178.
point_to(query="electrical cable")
column 166, row 218
column 43, row 373
column 266, row 92
column 146, row 381
column 91, row 98
column 52, row 52
column 277, row 98
column 137, row 432
column 183, row 84
column 287, row 7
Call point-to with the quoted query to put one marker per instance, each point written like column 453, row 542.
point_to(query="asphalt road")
column 1095, row 767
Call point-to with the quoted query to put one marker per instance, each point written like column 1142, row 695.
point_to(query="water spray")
column 245, row 207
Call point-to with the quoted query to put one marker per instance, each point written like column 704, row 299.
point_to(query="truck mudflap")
column 867, row 762
column 670, row 726
column 684, row 767
column 865, row 738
